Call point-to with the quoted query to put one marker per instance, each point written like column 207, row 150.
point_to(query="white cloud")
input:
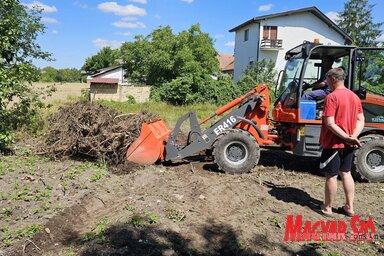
column 265, row 7
column 332, row 15
column 101, row 43
column 122, row 24
column 55, row 32
column 139, row 1
column 188, row 1
column 124, row 33
column 230, row 44
column 129, row 18
column 45, row 8
column 113, row 7
column 218, row 36
column 48, row 20
column 157, row 16
column 81, row 5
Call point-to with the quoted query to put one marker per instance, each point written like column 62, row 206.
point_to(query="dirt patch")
column 90, row 130
column 188, row 208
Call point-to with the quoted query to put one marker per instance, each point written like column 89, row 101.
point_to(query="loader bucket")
column 149, row 147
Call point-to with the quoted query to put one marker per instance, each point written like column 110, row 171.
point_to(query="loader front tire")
column 369, row 159
column 236, row 151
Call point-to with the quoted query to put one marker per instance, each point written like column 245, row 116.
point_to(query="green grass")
column 26, row 194
column 97, row 232
column 29, row 231
column 98, row 175
column 76, row 171
column 169, row 113
column 7, row 236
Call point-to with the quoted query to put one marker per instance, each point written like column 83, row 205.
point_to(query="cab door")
column 367, row 82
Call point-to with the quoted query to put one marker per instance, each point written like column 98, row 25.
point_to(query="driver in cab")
column 319, row 88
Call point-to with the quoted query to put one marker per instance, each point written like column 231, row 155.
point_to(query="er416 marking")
column 226, row 124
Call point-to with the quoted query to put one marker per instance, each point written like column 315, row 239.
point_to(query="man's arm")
column 350, row 139
column 318, row 85
column 359, row 125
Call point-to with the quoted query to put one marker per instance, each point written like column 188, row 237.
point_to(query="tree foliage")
column 356, row 20
column 19, row 29
column 50, row 74
column 179, row 67
column 371, row 71
column 106, row 57
column 188, row 89
column 259, row 72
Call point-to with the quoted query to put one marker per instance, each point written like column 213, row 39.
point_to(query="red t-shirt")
column 345, row 106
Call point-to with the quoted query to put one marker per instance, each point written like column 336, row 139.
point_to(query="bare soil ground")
column 73, row 207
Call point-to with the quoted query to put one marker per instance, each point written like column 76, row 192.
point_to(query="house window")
column 246, row 35
column 270, row 32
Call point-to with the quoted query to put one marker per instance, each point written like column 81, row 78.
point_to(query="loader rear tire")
column 236, row 151
column 369, row 159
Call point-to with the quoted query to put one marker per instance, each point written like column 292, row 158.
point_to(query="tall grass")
column 169, row 113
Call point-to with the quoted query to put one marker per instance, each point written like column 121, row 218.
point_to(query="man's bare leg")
column 349, row 191
column 330, row 193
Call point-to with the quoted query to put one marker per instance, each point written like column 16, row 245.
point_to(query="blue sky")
column 77, row 29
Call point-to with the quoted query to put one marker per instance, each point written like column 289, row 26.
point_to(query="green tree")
column 356, row 20
column 260, row 72
column 161, row 61
column 135, row 58
column 19, row 29
column 69, row 75
column 48, row 74
column 106, row 57
column 179, row 67
column 372, row 72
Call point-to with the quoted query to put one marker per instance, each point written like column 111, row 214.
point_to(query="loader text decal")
column 225, row 124
column 378, row 119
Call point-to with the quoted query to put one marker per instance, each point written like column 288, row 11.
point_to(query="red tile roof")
column 226, row 62
column 101, row 80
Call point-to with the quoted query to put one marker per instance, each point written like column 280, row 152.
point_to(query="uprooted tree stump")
column 84, row 129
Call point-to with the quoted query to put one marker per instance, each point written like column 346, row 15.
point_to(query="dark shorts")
column 333, row 161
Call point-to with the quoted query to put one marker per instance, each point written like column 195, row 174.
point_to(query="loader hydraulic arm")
column 204, row 140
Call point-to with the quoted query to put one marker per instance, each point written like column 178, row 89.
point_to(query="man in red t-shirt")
column 343, row 120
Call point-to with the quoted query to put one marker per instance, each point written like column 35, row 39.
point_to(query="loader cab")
column 299, row 121
column 306, row 65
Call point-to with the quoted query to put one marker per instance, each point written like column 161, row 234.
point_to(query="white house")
column 270, row 36
column 110, row 84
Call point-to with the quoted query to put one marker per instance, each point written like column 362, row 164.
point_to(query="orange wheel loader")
column 246, row 125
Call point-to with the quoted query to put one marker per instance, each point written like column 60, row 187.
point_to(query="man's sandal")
column 341, row 210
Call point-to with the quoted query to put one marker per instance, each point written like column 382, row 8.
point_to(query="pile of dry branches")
column 84, row 129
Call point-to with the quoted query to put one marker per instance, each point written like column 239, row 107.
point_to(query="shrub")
column 198, row 89
column 131, row 99
column 85, row 94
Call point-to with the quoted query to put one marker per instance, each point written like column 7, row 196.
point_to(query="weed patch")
column 98, row 233
column 174, row 214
